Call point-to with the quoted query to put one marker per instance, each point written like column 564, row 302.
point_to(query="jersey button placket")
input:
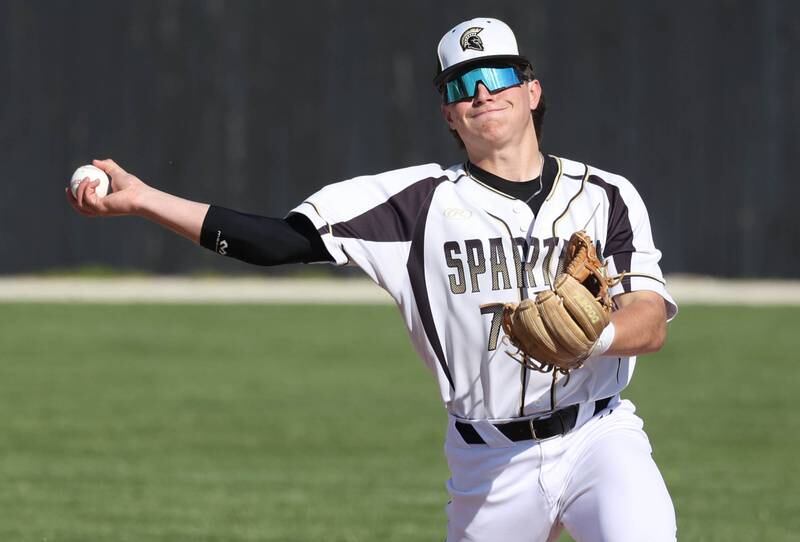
column 519, row 208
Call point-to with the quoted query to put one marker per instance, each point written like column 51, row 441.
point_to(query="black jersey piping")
column 395, row 219
column 559, row 173
column 322, row 230
column 547, row 264
column 523, row 294
column 416, row 273
column 402, row 218
column 549, row 259
column 619, row 236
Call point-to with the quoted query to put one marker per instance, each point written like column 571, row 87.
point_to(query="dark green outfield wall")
column 253, row 105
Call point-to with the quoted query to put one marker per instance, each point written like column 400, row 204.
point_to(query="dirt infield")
column 351, row 291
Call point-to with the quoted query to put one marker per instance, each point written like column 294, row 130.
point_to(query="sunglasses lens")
column 465, row 85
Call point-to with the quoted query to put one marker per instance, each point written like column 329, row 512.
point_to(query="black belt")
column 559, row 422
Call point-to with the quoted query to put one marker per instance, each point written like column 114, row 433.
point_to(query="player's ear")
column 448, row 116
column 534, row 93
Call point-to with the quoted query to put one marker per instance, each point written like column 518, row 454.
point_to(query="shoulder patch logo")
column 471, row 40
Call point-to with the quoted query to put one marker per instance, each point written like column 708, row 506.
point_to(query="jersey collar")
column 523, row 191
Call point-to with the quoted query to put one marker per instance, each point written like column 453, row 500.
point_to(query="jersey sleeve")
column 370, row 221
column 630, row 247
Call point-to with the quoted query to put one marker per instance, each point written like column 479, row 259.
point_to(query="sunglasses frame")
column 448, row 86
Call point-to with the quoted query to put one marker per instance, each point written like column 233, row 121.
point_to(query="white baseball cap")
column 475, row 41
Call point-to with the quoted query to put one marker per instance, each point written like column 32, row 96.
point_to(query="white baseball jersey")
column 449, row 249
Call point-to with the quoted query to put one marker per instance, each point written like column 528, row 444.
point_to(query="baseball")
column 94, row 174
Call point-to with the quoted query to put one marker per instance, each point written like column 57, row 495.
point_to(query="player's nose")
column 482, row 93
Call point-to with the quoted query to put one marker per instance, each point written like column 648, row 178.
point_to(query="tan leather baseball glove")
column 559, row 327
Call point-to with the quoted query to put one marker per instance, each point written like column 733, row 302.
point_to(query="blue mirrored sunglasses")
column 464, row 86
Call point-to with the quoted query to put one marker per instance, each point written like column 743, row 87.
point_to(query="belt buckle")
column 533, row 431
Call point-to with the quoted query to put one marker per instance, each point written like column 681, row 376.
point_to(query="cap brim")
column 512, row 59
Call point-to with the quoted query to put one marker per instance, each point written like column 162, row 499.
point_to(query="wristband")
column 603, row 342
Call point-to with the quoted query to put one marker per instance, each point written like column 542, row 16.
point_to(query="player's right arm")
column 130, row 196
column 251, row 238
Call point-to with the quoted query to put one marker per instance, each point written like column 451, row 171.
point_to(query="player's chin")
column 492, row 131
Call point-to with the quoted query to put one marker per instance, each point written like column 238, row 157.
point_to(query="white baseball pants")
column 599, row 482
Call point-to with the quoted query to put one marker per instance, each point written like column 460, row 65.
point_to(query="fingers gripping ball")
column 560, row 327
column 94, row 174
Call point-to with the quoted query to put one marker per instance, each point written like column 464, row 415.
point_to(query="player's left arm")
column 640, row 323
column 643, row 304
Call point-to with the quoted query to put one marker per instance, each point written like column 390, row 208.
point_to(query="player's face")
column 494, row 119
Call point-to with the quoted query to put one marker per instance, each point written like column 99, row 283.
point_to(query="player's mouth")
column 488, row 111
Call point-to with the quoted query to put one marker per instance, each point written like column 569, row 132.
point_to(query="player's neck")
column 519, row 162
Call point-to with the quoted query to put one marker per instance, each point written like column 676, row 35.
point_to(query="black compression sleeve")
column 262, row 240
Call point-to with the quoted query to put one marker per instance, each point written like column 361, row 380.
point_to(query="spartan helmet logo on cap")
column 471, row 40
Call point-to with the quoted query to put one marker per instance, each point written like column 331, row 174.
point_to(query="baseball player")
column 531, row 450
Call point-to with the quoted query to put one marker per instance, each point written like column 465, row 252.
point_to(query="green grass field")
column 232, row 423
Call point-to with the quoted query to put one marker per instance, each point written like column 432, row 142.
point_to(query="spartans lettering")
column 472, row 259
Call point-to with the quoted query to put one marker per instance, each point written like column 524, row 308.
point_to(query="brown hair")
column 537, row 114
